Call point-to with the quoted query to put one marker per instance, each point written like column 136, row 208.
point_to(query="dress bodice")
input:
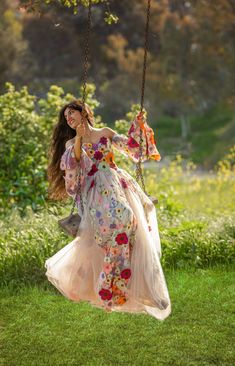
column 98, row 158
column 100, row 153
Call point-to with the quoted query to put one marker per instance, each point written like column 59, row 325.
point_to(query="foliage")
column 198, row 244
column 195, row 210
column 226, row 166
column 22, row 173
column 26, row 126
column 28, row 242
column 38, row 6
column 12, row 43
column 195, row 216
column 190, row 61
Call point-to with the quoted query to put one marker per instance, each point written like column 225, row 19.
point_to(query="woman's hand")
column 80, row 129
column 140, row 118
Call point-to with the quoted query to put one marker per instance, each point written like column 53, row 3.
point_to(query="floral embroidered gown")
column 114, row 261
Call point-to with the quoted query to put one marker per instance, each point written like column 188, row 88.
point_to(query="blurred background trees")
column 189, row 98
column 190, row 80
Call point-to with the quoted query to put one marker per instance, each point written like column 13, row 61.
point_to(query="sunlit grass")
column 41, row 327
column 200, row 194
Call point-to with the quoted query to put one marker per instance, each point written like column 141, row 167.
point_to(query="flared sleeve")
column 129, row 145
column 70, row 165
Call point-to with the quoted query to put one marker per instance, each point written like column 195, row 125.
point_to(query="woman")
column 114, row 261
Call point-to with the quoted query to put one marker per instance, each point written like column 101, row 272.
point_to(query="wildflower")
column 105, row 294
column 98, row 155
column 126, row 273
column 121, row 238
column 103, row 140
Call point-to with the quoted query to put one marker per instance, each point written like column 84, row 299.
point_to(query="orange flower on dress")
column 155, row 157
column 121, row 300
column 109, row 157
column 115, row 288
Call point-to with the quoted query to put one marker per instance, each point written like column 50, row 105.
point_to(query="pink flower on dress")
column 103, row 140
column 98, row 155
column 119, row 226
column 132, row 142
column 126, row 273
column 107, row 267
column 105, row 294
column 121, row 238
column 104, row 230
column 114, row 251
column 93, row 170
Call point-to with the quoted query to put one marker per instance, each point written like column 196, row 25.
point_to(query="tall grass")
column 195, row 214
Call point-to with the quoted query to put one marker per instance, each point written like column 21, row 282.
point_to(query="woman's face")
column 73, row 117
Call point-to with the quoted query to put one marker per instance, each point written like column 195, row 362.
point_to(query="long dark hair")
column 62, row 132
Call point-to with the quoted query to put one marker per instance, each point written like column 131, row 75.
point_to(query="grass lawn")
column 41, row 327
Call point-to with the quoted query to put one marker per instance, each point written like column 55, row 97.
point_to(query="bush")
column 26, row 126
column 25, row 131
column 22, row 149
column 25, row 246
column 199, row 244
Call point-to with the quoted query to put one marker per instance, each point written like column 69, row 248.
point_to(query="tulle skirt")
column 75, row 270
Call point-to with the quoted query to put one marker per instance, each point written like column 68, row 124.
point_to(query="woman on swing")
column 114, row 261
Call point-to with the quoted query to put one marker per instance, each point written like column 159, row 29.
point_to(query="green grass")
column 41, row 327
column 195, row 215
column 196, row 224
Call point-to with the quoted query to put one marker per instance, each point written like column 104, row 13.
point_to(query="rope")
column 85, row 69
column 139, row 171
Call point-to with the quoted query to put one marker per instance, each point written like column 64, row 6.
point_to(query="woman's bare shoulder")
column 108, row 132
column 104, row 131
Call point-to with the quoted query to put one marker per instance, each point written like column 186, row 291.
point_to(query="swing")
column 138, row 170
column 71, row 223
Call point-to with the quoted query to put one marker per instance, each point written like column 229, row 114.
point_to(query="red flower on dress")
column 126, row 273
column 121, row 238
column 105, row 294
column 93, row 170
column 124, row 183
column 98, row 155
column 132, row 142
column 103, row 140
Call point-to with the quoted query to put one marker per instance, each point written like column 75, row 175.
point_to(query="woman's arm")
column 129, row 145
column 77, row 147
column 70, row 164
column 77, row 144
